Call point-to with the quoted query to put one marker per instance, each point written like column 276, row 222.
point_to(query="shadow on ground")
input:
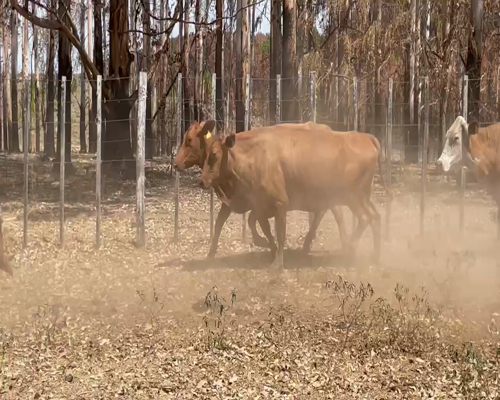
column 257, row 260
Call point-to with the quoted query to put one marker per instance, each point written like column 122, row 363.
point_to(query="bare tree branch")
column 70, row 33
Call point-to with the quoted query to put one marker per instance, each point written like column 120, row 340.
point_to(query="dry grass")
column 164, row 322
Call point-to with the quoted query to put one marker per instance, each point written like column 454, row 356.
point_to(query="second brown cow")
column 308, row 170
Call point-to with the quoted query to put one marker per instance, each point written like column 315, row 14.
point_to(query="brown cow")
column 477, row 149
column 193, row 152
column 307, row 170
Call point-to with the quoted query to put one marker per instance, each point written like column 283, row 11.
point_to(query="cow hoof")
column 211, row 254
column 276, row 265
column 306, row 249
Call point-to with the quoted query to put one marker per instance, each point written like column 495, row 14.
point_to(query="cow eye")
column 188, row 141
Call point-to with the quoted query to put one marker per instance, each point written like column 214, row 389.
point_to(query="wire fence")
column 140, row 131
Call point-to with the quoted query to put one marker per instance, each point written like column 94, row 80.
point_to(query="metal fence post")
column 388, row 156
column 355, row 102
column 178, row 143
column 355, row 106
column 278, row 99
column 140, row 158
column 247, row 127
column 313, row 118
column 313, row 96
column 299, row 92
column 98, row 167
column 25, row 162
column 463, row 181
column 424, row 154
column 214, row 115
column 498, row 93
column 62, row 159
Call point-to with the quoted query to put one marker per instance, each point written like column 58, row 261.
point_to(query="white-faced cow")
column 298, row 169
column 193, row 151
column 477, row 149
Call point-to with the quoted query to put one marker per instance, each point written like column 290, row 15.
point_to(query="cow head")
column 194, row 146
column 456, row 144
column 216, row 162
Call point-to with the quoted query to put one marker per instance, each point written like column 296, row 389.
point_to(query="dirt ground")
column 165, row 322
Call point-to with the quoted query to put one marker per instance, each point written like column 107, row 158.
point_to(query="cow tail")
column 379, row 148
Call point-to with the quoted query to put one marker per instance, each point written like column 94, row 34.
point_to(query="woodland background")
column 372, row 40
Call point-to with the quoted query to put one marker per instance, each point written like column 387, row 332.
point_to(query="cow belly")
column 315, row 201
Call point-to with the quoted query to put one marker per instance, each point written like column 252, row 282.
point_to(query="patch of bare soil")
column 165, row 322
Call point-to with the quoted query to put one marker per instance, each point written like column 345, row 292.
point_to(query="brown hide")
column 484, row 146
column 193, row 151
column 301, row 169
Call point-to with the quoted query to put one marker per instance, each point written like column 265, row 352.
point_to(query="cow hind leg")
column 266, row 229
column 280, row 223
column 376, row 228
column 222, row 217
column 317, row 217
column 258, row 240
column 339, row 217
column 364, row 219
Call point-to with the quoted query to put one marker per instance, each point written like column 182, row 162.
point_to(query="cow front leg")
column 280, row 223
column 258, row 240
column 222, row 217
column 313, row 227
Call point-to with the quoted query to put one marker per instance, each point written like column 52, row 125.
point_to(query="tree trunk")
column 411, row 89
column 185, row 74
column 198, row 88
column 219, row 58
column 230, row 45
column 92, row 130
column 241, row 63
column 99, row 64
column 117, row 147
column 24, row 92
column 134, row 74
column 150, row 143
column 36, row 87
column 162, row 147
column 289, row 60
column 275, row 57
column 7, row 106
column 49, row 143
column 2, row 94
column 15, row 122
column 474, row 60
column 65, row 69
column 83, row 141
column 301, row 36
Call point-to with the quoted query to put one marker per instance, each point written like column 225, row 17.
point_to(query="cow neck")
column 477, row 158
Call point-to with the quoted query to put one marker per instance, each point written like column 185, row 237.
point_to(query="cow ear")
column 230, row 140
column 473, row 128
column 207, row 128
